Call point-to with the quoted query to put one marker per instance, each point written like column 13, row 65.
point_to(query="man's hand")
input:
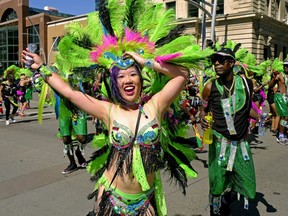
column 204, row 123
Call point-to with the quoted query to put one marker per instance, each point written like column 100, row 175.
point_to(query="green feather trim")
column 97, row 164
column 186, row 150
column 99, row 141
column 11, row 69
column 25, row 71
column 93, row 28
column 117, row 17
column 277, row 65
column 189, row 172
column 241, row 53
column 176, row 45
column 144, row 23
column 164, row 23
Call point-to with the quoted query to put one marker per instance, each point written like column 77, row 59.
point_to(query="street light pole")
column 50, row 51
column 203, row 28
column 205, row 12
column 213, row 21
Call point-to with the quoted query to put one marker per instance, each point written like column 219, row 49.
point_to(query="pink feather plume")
column 108, row 41
column 166, row 58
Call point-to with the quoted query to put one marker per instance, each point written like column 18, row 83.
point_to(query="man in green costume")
column 231, row 168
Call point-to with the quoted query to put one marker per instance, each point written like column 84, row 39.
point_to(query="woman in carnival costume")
column 139, row 45
column 8, row 90
column 280, row 77
column 229, row 97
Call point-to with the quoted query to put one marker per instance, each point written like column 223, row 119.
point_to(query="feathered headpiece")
column 16, row 72
column 133, row 25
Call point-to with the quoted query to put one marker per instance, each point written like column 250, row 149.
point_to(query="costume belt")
column 234, row 145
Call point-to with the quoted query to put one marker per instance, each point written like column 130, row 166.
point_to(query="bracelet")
column 44, row 71
column 149, row 63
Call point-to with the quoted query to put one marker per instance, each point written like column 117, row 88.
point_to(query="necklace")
column 232, row 85
column 139, row 103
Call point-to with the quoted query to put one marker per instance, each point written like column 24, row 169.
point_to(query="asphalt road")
column 31, row 183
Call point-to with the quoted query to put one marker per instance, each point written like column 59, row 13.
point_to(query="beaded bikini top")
column 143, row 157
column 148, row 136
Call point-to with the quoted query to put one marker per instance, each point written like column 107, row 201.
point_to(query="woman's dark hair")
column 113, row 83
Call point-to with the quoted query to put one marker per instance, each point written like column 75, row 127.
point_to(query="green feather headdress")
column 277, row 66
column 140, row 26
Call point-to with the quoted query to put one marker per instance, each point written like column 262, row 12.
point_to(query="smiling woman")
column 145, row 78
column 126, row 83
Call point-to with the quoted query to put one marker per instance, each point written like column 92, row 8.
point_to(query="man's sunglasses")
column 221, row 59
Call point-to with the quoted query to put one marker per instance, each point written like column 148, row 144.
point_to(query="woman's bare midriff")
column 127, row 183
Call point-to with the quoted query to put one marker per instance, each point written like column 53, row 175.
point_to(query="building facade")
column 259, row 25
column 20, row 25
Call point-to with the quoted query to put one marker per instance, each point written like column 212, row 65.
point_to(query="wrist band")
column 44, row 71
column 149, row 63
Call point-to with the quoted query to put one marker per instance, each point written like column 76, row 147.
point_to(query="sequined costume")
column 230, row 160
column 147, row 29
column 146, row 157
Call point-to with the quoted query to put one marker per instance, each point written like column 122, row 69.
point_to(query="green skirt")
column 238, row 175
column 281, row 103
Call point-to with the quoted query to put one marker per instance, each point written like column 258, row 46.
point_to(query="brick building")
column 20, row 25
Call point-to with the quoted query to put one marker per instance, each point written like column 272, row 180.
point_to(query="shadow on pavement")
column 20, row 121
column 238, row 210
column 254, row 142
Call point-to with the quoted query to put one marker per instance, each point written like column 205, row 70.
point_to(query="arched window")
column 9, row 14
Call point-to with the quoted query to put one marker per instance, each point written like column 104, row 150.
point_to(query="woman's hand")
column 37, row 61
column 137, row 57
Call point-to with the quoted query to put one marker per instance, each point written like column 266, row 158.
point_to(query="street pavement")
column 31, row 183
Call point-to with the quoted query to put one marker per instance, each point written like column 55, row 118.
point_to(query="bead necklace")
column 229, row 90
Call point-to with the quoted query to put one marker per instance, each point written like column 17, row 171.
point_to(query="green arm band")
column 44, row 71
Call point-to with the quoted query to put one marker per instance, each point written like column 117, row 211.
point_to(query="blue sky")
column 75, row 7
